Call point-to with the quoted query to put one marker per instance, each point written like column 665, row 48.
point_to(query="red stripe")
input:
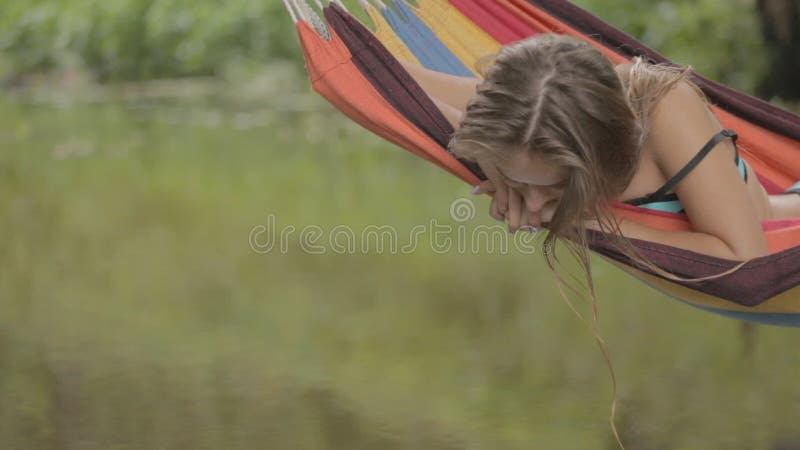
column 508, row 19
column 490, row 24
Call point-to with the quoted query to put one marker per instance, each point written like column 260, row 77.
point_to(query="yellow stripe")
column 785, row 302
column 387, row 36
column 465, row 39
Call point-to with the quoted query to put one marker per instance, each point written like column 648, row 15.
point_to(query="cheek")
column 553, row 194
column 523, row 192
column 549, row 200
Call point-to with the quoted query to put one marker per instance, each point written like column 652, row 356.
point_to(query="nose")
column 536, row 198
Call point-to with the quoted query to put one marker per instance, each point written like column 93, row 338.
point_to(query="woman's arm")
column 452, row 115
column 449, row 89
column 724, row 218
column 695, row 241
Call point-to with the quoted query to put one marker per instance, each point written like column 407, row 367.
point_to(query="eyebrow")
column 525, row 182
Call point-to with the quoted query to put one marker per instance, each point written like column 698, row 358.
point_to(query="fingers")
column 534, row 219
column 484, row 187
column 547, row 212
column 514, row 210
column 524, row 224
column 519, row 217
column 501, row 194
column 494, row 185
column 494, row 212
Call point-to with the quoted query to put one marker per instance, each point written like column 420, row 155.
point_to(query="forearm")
column 452, row 115
column 449, row 89
column 699, row 242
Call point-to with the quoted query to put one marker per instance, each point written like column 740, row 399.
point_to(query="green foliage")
column 143, row 39
column 721, row 39
column 135, row 314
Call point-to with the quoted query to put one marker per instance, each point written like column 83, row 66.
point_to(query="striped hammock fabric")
column 357, row 70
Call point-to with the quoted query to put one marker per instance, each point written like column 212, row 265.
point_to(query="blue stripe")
column 422, row 42
column 405, row 34
column 767, row 318
column 777, row 319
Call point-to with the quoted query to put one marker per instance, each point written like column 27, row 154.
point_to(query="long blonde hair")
column 558, row 97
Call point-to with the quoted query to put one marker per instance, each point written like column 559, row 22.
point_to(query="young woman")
column 560, row 132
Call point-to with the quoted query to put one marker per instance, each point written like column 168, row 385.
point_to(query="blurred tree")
column 780, row 21
column 132, row 40
column 721, row 39
column 124, row 40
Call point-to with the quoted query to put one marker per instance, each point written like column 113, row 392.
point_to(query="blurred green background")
column 142, row 142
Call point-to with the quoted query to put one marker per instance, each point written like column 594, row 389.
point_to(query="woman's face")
column 536, row 180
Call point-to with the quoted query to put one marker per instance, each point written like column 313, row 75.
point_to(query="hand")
column 505, row 196
column 496, row 185
column 509, row 204
column 537, row 219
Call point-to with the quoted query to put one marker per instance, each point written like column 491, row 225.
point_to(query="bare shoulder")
column 681, row 115
column 624, row 66
column 623, row 69
column 713, row 193
column 683, row 94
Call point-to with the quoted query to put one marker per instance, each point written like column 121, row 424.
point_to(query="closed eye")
column 520, row 185
column 517, row 185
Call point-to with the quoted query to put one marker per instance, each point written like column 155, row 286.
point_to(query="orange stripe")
column 335, row 77
column 772, row 155
column 522, row 7
column 785, row 235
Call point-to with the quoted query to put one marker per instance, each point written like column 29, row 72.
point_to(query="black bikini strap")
column 716, row 139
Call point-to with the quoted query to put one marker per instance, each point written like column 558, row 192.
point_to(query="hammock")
column 357, row 71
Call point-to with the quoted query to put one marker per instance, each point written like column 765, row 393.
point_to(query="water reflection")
column 136, row 315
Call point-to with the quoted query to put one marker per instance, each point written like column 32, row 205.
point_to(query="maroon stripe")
column 745, row 106
column 395, row 85
column 404, row 95
column 750, row 285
